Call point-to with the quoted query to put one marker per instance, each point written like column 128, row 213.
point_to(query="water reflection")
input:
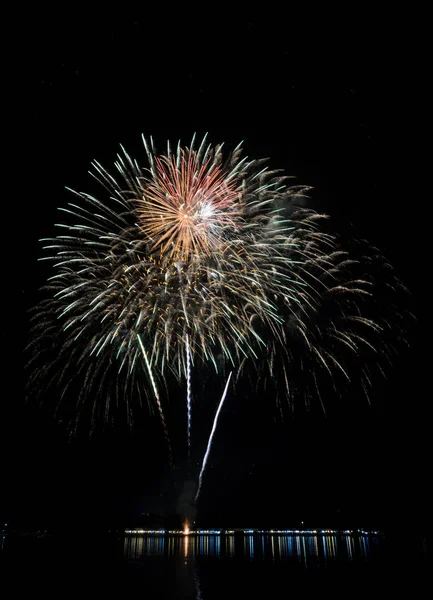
column 202, row 567
column 304, row 548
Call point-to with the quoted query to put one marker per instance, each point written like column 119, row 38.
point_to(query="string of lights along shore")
column 196, row 257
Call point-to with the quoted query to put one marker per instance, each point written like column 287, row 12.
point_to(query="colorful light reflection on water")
column 303, row 548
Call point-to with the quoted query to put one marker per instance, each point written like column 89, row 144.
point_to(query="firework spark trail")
column 214, row 426
column 188, row 392
column 158, row 401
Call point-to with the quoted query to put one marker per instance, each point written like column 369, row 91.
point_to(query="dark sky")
column 324, row 103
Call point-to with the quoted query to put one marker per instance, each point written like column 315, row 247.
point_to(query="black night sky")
column 325, row 105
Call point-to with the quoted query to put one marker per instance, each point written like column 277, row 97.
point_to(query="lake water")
column 203, row 567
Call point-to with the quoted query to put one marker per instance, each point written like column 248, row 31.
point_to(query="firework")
column 198, row 258
column 188, row 395
column 209, row 445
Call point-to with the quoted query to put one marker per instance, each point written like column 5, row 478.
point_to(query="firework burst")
column 187, row 205
column 198, row 258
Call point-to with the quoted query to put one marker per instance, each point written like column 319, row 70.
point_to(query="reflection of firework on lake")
column 199, row 259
